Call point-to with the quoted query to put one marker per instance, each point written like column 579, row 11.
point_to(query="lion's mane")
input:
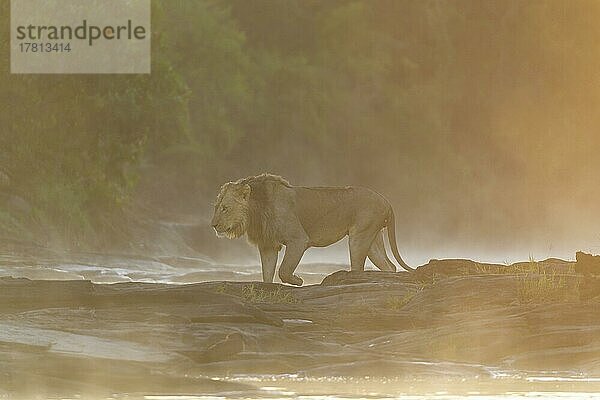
column 259, row 221
column 261, row 227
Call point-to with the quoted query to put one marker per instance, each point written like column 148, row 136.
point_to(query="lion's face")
column 231, row 210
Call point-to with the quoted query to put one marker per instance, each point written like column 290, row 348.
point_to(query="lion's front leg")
column 268, row 259
column 293, row 255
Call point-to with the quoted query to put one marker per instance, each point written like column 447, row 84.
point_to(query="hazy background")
column 478, row 120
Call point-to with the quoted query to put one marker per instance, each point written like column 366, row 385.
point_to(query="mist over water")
column 486, row 149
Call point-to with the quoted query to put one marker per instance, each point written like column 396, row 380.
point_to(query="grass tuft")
column 254, row 294
column 524, row 268
column 546, row 287
column 396, row 303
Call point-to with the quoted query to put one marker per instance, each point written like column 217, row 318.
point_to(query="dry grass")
column 536, row 283
column 513, row 269
column 222, row 288
column 523, row 268
column 428, row 280
column 546, row 287
column 253, row 294
column 396, row 303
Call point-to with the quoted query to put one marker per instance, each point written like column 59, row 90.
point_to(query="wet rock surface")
column 451, row 320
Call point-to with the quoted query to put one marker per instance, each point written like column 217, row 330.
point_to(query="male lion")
column 274, row 213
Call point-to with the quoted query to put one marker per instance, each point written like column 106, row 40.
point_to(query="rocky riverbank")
column 455, row 326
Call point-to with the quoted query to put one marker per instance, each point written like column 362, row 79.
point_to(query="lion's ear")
column 245, row 191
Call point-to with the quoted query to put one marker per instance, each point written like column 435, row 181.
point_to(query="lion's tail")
column 391, row 229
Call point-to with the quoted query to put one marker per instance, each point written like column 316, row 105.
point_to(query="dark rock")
column 458, row 267
column 587, row 264
column 453, row 267
column 590, row 287
column 357, row 277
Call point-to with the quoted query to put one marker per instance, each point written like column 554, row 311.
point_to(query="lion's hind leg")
column 378, row 256
column 360, row 244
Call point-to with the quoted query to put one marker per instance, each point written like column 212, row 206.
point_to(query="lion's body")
column 329, row 214
column 302, row 217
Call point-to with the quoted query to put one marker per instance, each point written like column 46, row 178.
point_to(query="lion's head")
column 231, row 210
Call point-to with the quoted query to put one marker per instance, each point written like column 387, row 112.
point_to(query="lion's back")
column 327, row 212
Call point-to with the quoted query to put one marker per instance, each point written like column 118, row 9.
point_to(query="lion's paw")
column 292, row 280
